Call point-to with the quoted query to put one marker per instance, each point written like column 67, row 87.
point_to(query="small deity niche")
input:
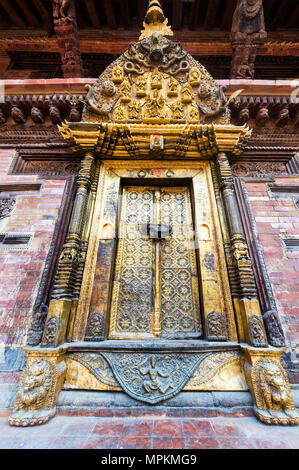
column 118, row 74
column 178, row 113
column 194, row 76
column 134, row 111
column 193, row 115
column 156, row 79
column 119, row 114
column 186, row 93
column 172, row 87
column 141, row 85
column 125, row 91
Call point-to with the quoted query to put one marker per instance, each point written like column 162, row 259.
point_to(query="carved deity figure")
column 119, row 114
column 69, row 56
column 134, row 110
column 51, row 330
column 193, row 115
column 125, row 91
column 155, row 106
column 172, row 87
column 248, row 17
column 186, row 93
column 247, row 34
column 117, row 74
column 63, row 11
column 177, row 109
column 156, row 79
column 140, row 86
column 153, row 383
column 194, row 76
column 215, row 324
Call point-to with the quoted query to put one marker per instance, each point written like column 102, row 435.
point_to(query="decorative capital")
column 155, row 21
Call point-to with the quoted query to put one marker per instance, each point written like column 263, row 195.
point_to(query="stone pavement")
column 67, row 432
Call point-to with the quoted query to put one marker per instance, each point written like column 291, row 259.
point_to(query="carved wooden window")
column 15, row 240
column 291, row 243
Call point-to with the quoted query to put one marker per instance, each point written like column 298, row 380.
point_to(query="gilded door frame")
column 216, row 295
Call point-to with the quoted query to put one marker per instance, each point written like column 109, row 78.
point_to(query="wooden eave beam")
column 111, row 20
column 93, row 14
column 141, row 9
column 194, row 14
column 125, row 12
column 177, row 14
column 11, row 11
column 294, row 18
column 211, row 14
column 46, row 18
column 28, row 13
column 228, row 13
column 279, row 14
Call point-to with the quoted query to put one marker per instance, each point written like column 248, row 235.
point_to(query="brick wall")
column 35, row 212
column 276, row 217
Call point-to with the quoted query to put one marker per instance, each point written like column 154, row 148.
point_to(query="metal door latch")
column 155, row 231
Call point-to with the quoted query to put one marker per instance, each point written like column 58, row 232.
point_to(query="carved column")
column 247, row 307
column 65, row 26
column 70, row 261
column 83, row 249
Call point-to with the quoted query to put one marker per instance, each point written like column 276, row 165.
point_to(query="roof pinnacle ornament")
column 155, row 21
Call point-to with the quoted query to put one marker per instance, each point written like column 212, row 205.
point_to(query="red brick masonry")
column 276, row 217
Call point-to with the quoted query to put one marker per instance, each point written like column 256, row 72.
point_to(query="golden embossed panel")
column 155, row 289
column 132, row 296
column 179, row 280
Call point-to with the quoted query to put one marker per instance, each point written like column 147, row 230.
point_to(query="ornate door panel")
column 155, row 288
column 179, row 278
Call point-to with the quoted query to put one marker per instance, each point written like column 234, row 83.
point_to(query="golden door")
column 155, row 288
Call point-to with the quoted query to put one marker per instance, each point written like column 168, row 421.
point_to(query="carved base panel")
column 39, row 388
column 269, row 386
column 217, row 371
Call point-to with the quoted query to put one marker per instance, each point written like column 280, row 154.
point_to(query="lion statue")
column 275, row 390
column 35, row 385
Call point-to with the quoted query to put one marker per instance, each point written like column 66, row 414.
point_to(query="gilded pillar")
column 71, row 261
column 83, row 250
column 247, row 308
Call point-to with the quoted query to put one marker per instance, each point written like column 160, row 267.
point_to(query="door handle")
column 158, row 231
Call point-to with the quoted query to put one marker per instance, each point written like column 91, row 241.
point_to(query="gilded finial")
column 155, row 21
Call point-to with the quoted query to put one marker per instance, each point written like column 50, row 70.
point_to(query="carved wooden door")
column 156, row 288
